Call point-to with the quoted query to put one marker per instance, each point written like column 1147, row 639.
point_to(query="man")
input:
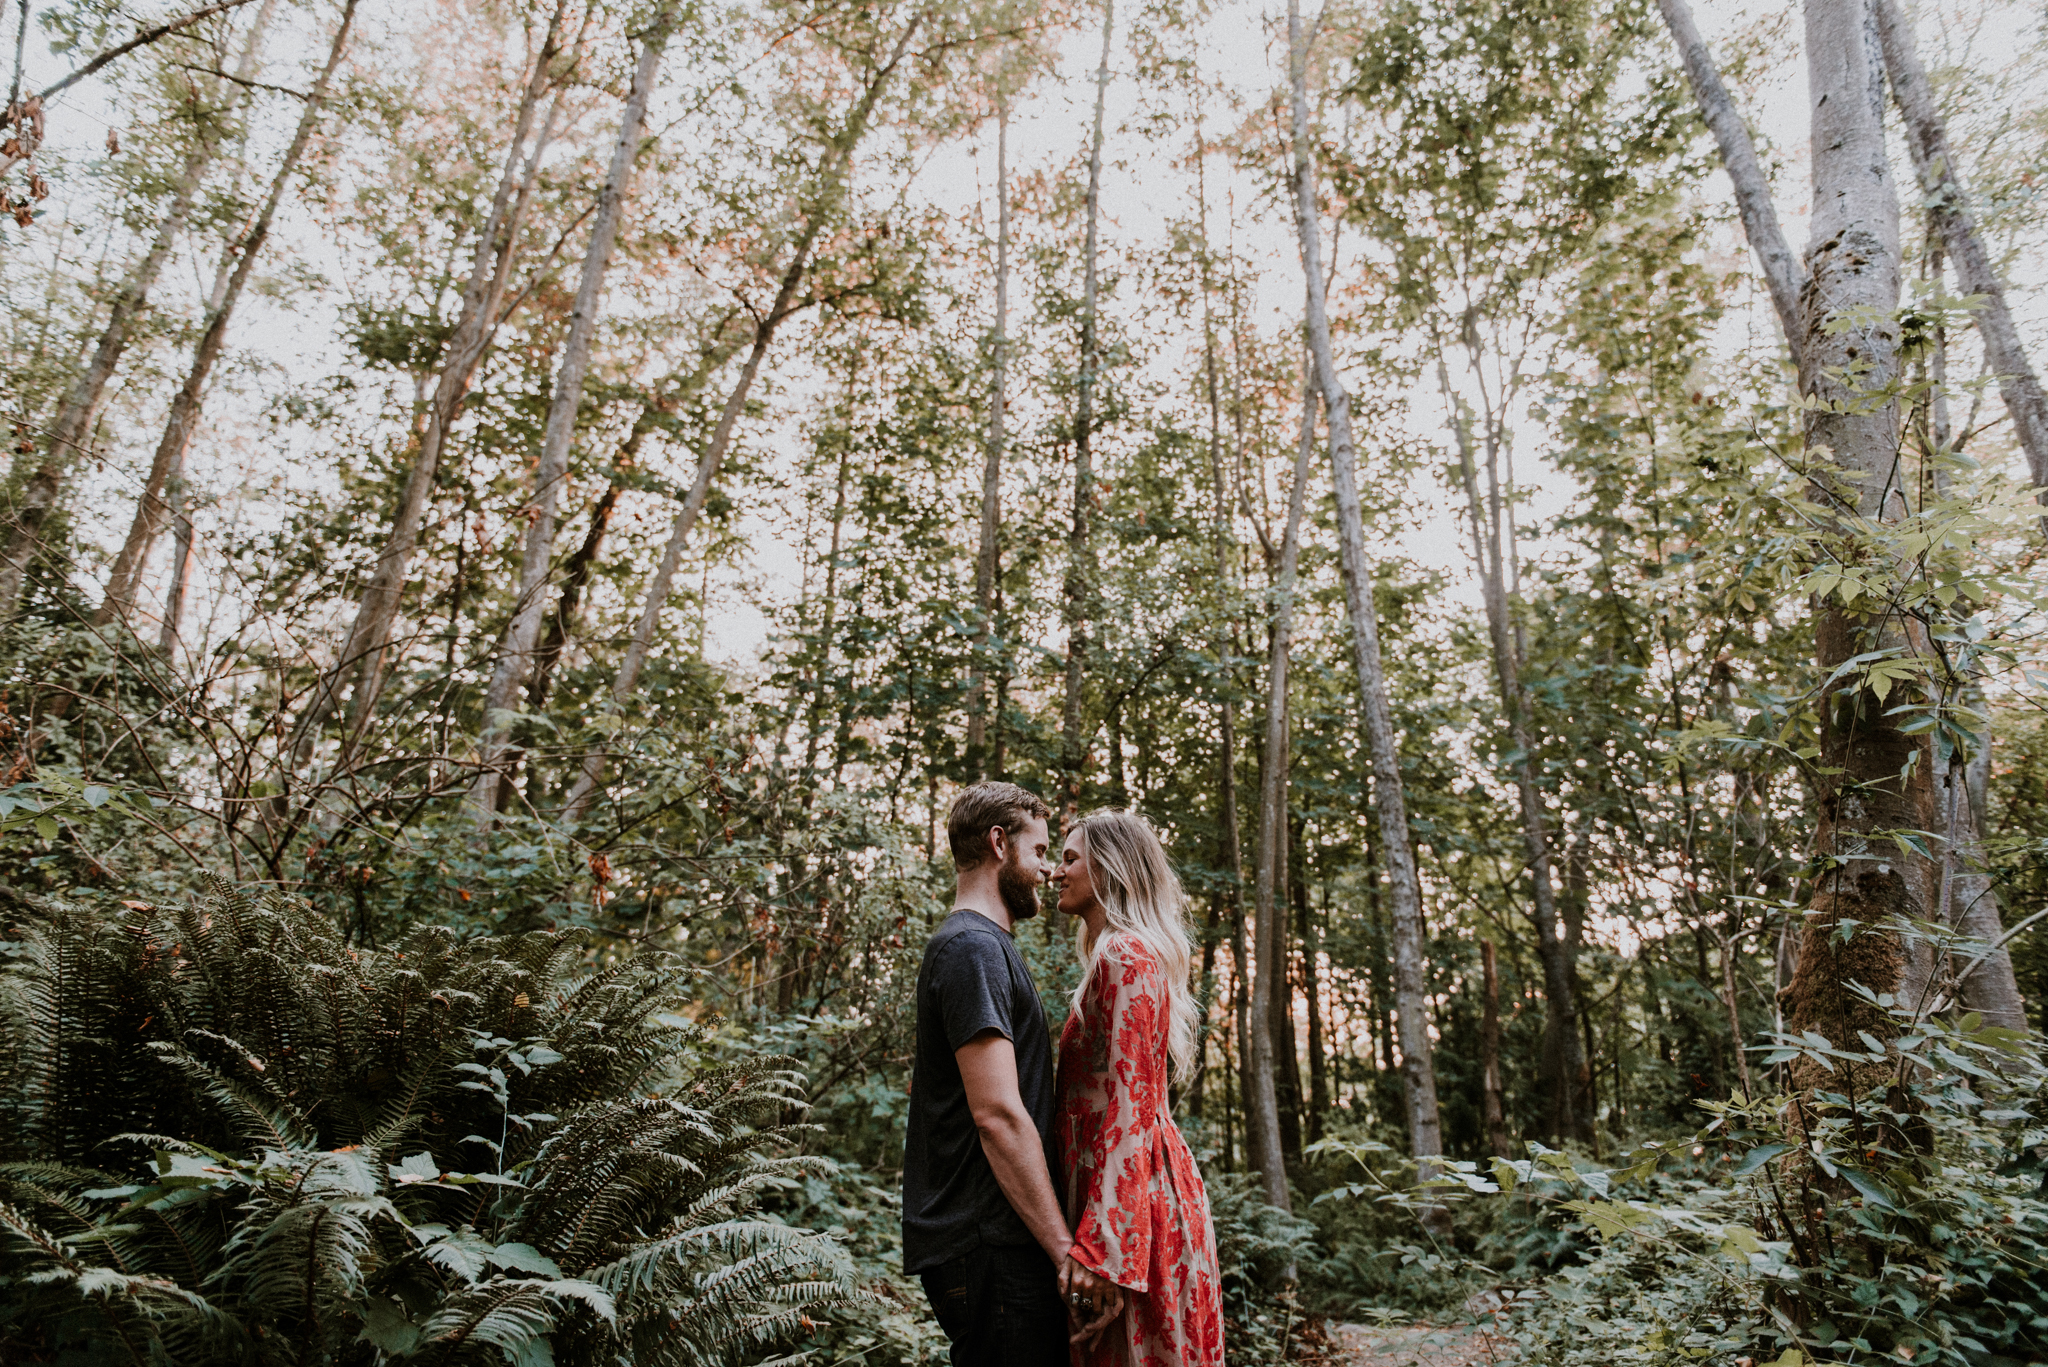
column 981, row 1225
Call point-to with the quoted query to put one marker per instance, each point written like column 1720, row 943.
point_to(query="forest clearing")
column 525, row 515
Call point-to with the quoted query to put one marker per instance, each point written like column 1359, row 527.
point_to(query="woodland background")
column 613, row 471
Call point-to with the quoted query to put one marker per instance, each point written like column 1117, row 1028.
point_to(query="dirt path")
column 1420, row 1345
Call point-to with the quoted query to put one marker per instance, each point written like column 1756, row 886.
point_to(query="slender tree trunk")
column 1949, row 208
column 1493, row 1102
column 1308, row 936
column 1853, row 268
column 70, row 429
column 1269, row 984
column 515, row 650
column 1079, row 589
column 831, row 179
column 365, row 651
column 1782, row 275
column 1404, row 891
column 1230, row 850
column 151, row 509
column 1564, row 1059
column 577, row 569
column 987, row 563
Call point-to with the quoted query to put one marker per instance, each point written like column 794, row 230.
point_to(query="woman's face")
column 1074, row 879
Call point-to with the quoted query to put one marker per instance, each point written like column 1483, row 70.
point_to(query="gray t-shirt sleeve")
column 970, row 984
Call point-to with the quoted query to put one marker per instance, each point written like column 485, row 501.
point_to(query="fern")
column 228, row 1137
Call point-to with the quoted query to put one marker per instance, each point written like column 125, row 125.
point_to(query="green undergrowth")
column 1900, row 1219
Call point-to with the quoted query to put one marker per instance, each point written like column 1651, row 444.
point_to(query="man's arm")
column 988, row 1069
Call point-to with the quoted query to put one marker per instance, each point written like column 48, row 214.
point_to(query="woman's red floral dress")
column 1134, row 1199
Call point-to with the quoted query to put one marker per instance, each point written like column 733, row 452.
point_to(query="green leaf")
column 1757, row 1157
column 386, row 1327
column 46, row 827
column 419, row 1167
column 522, row 1258
column 1869, row 1188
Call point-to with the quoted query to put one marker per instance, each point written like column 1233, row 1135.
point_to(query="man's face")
column 1024, row 869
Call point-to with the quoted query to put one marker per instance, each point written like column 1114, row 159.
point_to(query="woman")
column 1133, row 1197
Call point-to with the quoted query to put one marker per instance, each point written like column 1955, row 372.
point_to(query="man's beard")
column 1019, row 889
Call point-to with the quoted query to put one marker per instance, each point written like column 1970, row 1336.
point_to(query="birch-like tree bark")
column 830, row 184
column 365, row 650
column 1948, row 203
column 1782, row 274
column 515, row 649
column 151, row 509
column 1403, row 887
column 69, row 433
column 987, row 560
column 1269, row 975
column 1853, row 278
column 1079, row 588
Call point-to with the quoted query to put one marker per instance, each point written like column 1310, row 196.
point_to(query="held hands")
column 1092, row 1301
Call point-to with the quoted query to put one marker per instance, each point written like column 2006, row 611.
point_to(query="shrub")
column 229, row 1137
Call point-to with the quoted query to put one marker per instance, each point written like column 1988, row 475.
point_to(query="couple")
column 1044, row 1211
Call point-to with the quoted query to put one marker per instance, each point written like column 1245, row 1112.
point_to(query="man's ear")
column 999, row 841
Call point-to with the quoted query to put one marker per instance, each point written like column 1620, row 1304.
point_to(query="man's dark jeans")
column 1000, row 1307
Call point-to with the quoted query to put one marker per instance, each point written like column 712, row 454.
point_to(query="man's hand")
column 1093, row 1301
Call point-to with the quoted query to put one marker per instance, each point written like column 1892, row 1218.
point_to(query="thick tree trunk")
column 1080, row 587
column 1986, row 982
column 71, row 428
column 1493, row 1101
column 1853, row 278
column 831, row 180
column 365, row 651
column 1949, row 207
column 515, row 650
column 987, row 562
column 1782, row 275
column 1265, row 1143
column 150, row 511
column 1404, row 891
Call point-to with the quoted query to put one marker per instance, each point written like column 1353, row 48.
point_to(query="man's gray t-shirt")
column 972, row 981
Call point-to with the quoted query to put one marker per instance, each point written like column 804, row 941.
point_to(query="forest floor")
column 1419, row 1345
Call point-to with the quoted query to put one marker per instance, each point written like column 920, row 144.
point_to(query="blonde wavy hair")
column 1143, row 899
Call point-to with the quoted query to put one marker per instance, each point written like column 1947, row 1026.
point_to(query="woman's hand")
column 1092, row 1301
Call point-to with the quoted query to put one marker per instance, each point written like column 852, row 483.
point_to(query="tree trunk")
column 70, row 429
column 1404, row 892
column 515, row 650
column 576, row 571
column 1564, row 1059
column 831, row 175
column 1306, row 935
column 1493, row 1102
column 150, row 511
column 1079, row 588
column 987, row 563
column 1782, row 275
column 1264, row 1141
column 1853, row 270
column 364, row 651
column 1949, row 207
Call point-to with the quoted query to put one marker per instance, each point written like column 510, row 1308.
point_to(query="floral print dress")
column 1133, row 1196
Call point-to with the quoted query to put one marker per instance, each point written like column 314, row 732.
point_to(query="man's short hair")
column 982, row 807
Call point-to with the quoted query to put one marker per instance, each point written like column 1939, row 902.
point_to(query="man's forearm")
column 1018, row 1160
